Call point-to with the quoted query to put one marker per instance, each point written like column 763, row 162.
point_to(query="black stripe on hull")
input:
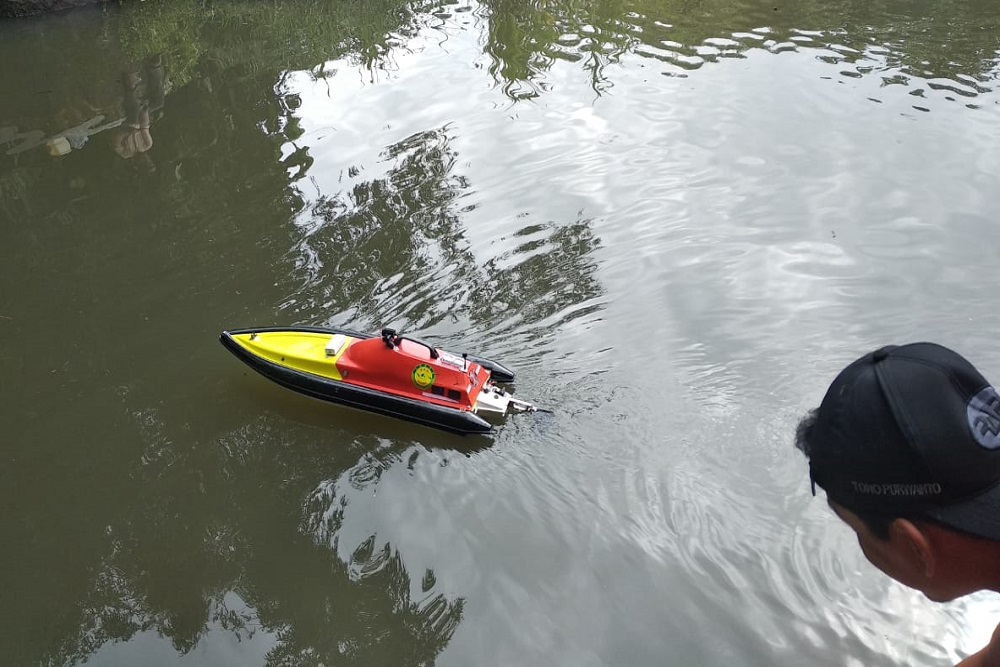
column 333, row 391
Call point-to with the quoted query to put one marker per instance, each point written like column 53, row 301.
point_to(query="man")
column 906, row 444
column 143, row 93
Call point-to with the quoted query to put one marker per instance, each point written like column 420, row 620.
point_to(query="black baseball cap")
column 911, row 430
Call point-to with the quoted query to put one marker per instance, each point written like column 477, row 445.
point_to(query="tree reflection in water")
column 152, row 520
column 212, row 521
column 156, row 521
column 395, row 248
column 525, row 40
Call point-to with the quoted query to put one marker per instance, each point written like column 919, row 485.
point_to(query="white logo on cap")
column 983, row 413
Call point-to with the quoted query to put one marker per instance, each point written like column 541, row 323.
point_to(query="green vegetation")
column 218, row 200
column 297, row 34
column 924, row 39
column 173, row 29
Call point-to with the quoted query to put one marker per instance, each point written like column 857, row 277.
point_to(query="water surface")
column 676, row 220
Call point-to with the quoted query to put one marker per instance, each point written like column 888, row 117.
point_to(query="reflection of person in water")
column 143, row 89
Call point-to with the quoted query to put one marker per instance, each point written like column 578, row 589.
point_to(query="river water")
column 675, row 220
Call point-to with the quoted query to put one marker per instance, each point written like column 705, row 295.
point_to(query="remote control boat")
column 390, row 374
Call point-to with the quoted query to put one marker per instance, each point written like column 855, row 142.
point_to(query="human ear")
column 916, row 543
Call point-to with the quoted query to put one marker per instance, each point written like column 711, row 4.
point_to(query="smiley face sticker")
column 423, row 376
